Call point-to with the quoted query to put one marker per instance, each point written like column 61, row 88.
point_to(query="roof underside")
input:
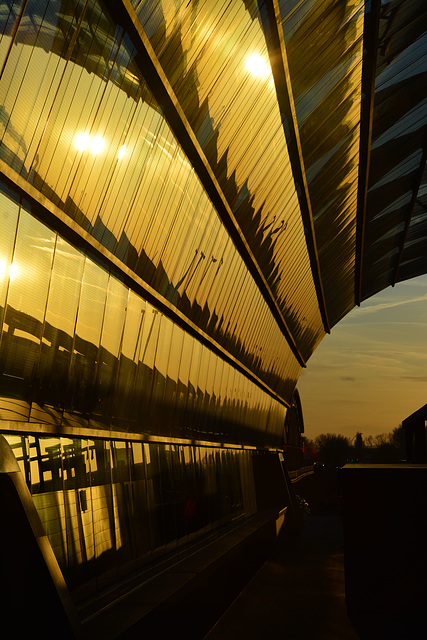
column 304, row 123
column 328, row 183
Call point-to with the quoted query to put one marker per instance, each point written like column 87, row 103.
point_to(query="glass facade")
column 113, row 509
column 80, row 124
column 326, row 84
column 79, row 348
column 217, row 61
column 182, row 217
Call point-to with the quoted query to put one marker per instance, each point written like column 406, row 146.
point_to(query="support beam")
column 282, row 80
column 370, row 46
column 410, row 213
column 124, row 15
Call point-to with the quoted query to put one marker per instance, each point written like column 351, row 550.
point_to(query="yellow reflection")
column 82, row 141
column 257, row 66
column 85, row 141
column 7, row 271
column 13, row 271
column 97, row 145
column 121, row 152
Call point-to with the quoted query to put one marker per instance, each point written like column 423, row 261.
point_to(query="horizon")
column 372, row 368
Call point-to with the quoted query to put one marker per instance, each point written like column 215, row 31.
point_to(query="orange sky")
column 370, row 373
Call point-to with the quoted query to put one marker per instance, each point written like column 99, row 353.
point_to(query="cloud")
column 388, row 305
column 415, row 378
column 348, row 378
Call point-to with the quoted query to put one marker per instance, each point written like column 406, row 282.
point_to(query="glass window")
column 19, row 446
column 90, row 318
column 8, row 223
column 58, row 332
column 191, row 403
column 157, row 403
column 145, row 357
column 140, row 504
column 184, row 382
column 47, row 476
column 122, row 502
column 111, row 342
column 155, row 498
column 124, row 390
column 169, row 498
column 8, row 17
column 104, row 526
column 172, row 381
column 24, row 317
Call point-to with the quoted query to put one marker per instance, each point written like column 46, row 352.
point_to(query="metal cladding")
column 192, row 195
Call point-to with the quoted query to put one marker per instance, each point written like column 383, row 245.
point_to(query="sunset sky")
column 370, row 373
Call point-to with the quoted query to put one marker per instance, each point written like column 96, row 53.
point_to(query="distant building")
column 414, row 427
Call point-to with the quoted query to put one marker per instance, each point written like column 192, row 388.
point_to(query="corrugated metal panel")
column 394, row 241
column 324, row 48
column 215, row 56
column 117, row 169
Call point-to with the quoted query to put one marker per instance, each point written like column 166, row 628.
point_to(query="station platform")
column 298, row 593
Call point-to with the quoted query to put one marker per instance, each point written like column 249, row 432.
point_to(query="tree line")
column 335, row 450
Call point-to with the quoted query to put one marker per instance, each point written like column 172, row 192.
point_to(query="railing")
column 300, row 473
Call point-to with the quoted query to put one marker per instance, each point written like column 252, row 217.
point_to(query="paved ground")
column 297, row 594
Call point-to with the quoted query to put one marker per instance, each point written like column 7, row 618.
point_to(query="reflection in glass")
column 111, row 508
column 85, row 131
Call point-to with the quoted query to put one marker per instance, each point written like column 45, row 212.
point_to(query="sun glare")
column 82, row 141
column 257, row 66
column 13, row 271
column 85, row 142
column 97, row 145
column 7, row 271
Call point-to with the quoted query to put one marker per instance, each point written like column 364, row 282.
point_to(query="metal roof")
column 295, row 128
column 321, row 156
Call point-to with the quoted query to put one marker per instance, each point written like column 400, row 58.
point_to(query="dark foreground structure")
column 192, row 194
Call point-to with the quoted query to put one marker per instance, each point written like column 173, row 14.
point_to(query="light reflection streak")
column 6, row 271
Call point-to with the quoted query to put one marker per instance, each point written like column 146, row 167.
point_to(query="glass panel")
column 191, row 403
column 155, row 498
column 79, row 122
column 23, row 321
column 172, row 381
column 103, row 514
column 146, row 355
column 78, row 510
column 141, row 505
column 58, row 333
column 122, row 503
column 111, row 343
column 166, row 460
column 8, row 223
column 157, row 405
column 9, row 14
column 187, row 494
column 184, row 383
column 124, row 394
column 90, row 318
column 47, row 476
